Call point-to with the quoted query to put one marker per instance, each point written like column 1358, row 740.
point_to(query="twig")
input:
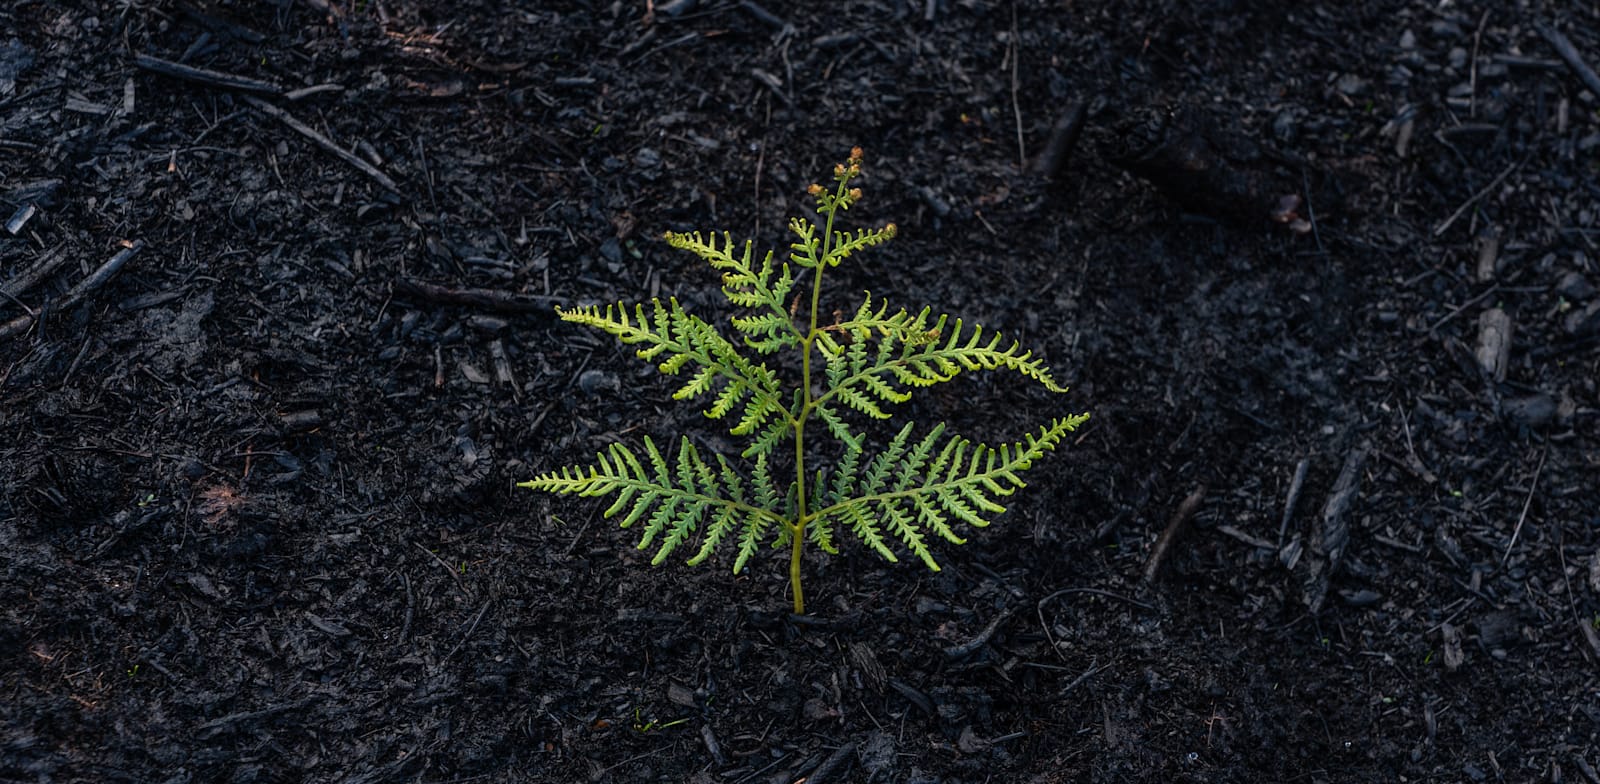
column 1585, row 627
column 1016, row 107
column 447, row 567
column 226, row 81
column 488, row 299
column 1334, row 532
column 1311, row 210
column 1087, row 674
column 1475, row 197
column 762, row 15
column 1063, row 592
column 315, row 89
column 1063, row 137
column 33, row 275
column 405, row 627
column 1462, row 307
column 1295, row 485
column 837, row 762
column 1180, row 519
column 966, row 648
column 76, row 294
column 1477, row 38
column 470, row 629
column 1568, row 52
column 322, row 141
column 1523, row 518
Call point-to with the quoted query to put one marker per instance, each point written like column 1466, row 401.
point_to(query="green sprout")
column 921, row 486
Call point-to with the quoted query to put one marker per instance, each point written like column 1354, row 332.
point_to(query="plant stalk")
column 798, row 532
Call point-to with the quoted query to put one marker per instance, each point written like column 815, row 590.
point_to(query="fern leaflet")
column 912, row 351
column 674, row 498
column 687, row 340
column 963, row 482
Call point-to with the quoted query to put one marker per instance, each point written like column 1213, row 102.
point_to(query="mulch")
column 276, row 343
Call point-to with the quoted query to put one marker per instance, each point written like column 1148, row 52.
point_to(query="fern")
column 913, row 492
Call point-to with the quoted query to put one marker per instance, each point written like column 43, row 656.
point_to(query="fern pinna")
column 917, row 488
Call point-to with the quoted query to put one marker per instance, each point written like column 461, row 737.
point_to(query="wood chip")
column 1333, row 530
column 1494, row 343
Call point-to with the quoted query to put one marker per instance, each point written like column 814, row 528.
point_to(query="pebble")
column 1283, row 126
column 1351, row 84
column 1583, row 322
column 1574, row 286
column 611, row 249
column 1533, row 411
column 593, row 381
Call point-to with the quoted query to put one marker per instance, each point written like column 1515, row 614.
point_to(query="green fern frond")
column 845, row 243
column 743, row 284
column 804, row 252
column 725, row 517
column 820, row 532
column 778, row 428
column 837, row 427
column 767, row 332
column 672, row 498
column 913, row 351
column 963, row 483
column 687, row 340
column 898, row 500
column 749, row 287
column 844, row 475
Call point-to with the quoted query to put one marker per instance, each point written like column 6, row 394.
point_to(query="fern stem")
column 809, row 404
column 794, row 572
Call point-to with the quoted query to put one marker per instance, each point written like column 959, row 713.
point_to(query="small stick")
column 321, row 141
column 762, row 15
column 1333, row 534
column 1087, row 674
column 1568, row 52
column 315, row 89
column 488, row 299
column 1180, row 520
column 966, row 648
column 405, row 627
column 470, row 630
column 31, row 277
column 1477, row 38
column 226, row 81
column 1475, row 197
column 1016, row 107
column 1295, row 485
column 1063, row 137
column 20, row 218
column 76, row 294
column 1462, row 307
column 710, row 739
column 1523, row 518
column 837, row 762
column 447, row 567
column 1039, row 608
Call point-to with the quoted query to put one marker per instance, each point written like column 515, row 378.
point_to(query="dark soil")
column 257, row 515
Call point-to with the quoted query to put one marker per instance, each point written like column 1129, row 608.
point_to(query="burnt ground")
column 257, row 519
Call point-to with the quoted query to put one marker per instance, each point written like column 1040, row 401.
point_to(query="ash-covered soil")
column 278, row 341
